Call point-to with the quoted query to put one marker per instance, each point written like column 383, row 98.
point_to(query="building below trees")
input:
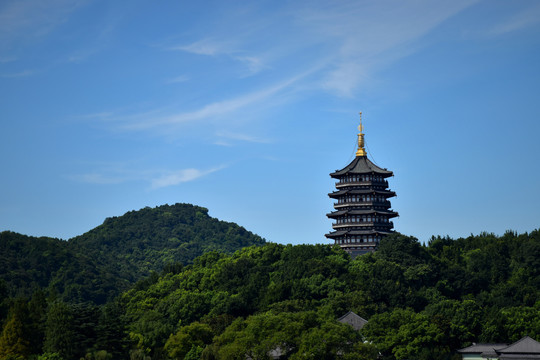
column 526, row 348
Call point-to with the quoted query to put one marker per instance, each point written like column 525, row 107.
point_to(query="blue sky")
column 246, row 107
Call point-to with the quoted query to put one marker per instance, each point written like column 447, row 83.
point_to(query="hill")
column 422, row 301
column 105, row 261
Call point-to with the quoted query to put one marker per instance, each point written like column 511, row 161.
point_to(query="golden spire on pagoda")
column 361, row 151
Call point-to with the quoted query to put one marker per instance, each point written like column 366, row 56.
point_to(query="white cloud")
column 345, row 45
column 24, row 73
column 117, row 174
column 240, row 137
column 208, row 47
column 211, row 47
column 178, row 79
column 213, row 111
column 365, row 38
column 96, row 178
column 352, row 40
column 180, row 176
column 521, row 20
column 22, row 19
column 253, row 64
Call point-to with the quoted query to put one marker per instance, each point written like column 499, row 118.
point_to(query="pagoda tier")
column 362, row 216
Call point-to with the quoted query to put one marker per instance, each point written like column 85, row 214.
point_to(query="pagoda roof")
column 361, row 192
column 362, row 212
column 361, row 165
column 339, row 233
column 368, row 232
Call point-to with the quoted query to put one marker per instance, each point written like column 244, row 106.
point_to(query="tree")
column 18, row 331
column 194, row 335
column 404, row 334
column 60, row 336
column 13, row 344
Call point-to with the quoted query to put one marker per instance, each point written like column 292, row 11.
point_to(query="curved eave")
column 361, row 165
column 336, row 214
column 386, row 193
column 340, row 233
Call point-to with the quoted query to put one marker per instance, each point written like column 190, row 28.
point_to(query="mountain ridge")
column 104, row 261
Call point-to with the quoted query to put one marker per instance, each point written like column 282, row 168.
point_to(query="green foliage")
column 100, row 264
column 13, row 341
column 98, row 355
column 50, row 356
column 22, row 334
column 299, row 335
column 184, row 293
column 60, row 332
column 422, row 302
column 188, row 340
column 153, row 239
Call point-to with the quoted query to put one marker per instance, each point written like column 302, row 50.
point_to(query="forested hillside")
column 100, row 264
column 422, row 302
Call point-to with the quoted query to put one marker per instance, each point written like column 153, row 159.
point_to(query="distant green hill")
column 105, row 261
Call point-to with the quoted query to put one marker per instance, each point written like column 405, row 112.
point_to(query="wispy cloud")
column 178, row 79
column 352, row 40
column 345, row 45
column 521, row 20
column 210, row 112
column 240, row 137
column 99, row 178
column 155, row 178
column 365, row 39
column 253, row 64
column 24, row 73
column 96, row 44
column 181, row 176
column 23, row 19
column 209, row 47
column 213, row 47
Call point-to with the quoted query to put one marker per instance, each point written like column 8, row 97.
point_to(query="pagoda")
column 362, row 209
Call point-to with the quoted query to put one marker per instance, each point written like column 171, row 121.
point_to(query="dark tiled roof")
column 519, row 356
column 481, row 348
column 361, row 165
column 361, row 192
column 526, row 345
column 369, row 231
column 362, row 212
column 357, row 322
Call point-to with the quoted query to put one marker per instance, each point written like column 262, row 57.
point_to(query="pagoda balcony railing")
column 357, row 183
column 388, row 225
column 385, row 203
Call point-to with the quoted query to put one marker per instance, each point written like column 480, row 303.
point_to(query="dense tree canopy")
column 423, row 301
